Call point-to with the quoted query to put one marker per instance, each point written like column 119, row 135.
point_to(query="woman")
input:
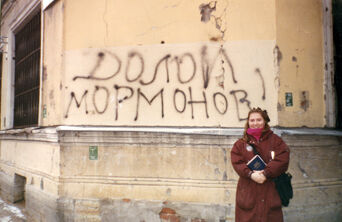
column 256, row 196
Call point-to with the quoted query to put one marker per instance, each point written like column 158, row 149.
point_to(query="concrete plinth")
column 111, row 175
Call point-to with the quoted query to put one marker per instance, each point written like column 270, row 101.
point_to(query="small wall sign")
column 44, row 111
column 288, row 99
column 93, row 152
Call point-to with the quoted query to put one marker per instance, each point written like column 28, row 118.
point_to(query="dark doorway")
column 19, row 188
column 337, row 29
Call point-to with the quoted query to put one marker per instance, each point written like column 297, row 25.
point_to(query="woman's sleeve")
column 280, row 163
column 238, row 162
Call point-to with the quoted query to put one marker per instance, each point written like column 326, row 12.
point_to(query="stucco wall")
column 53, row 68
column 98, row 24
column 186, row 176
column 263, row 49
column 301, row 68
column 199, row 84
column 271, row 49
column 38, row 162
column 221, row 78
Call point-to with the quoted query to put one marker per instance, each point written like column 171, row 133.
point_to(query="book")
column 256, row 163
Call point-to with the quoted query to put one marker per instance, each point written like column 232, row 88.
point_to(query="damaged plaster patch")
column 206, row 10
column 277, row 59
column 304, row 100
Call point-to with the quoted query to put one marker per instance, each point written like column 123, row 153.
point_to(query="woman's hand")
column 258, row 176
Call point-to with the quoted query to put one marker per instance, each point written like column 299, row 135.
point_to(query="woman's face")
column 256, row 121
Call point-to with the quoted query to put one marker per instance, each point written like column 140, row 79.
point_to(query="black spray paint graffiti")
column 150, row 102
column 258, row 72
column 187, row 100
column 78, row 104
column 241, row 100
column 100, row 59
column 206, row 64
column 162, row 66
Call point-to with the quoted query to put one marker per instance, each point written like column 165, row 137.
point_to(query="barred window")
column 27, row 66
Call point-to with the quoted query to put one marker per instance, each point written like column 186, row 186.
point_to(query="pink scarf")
column 256, row 133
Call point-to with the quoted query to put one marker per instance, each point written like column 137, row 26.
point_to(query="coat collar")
column 263, row 136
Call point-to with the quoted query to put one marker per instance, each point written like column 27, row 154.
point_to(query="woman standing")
column 257, row 199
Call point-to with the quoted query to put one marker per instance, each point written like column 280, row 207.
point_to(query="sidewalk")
column 12, row 212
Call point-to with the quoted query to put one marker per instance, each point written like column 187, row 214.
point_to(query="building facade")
column 127, row 110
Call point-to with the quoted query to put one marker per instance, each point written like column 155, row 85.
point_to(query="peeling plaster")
column 207, row 10
column 304, row 100
column 277, row 59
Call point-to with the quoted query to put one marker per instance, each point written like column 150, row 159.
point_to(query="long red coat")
column 259, row 202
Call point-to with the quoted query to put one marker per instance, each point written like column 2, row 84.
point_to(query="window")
column 27, row 67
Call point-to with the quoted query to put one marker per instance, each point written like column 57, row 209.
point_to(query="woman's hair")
column 263, row 114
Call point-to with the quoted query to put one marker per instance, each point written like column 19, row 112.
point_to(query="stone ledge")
column 48, row 134
column 152, row 135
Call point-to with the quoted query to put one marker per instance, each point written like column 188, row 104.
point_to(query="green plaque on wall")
column 93, row 152
column 288, row 99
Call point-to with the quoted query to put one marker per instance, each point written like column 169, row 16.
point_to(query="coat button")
column 262, row 200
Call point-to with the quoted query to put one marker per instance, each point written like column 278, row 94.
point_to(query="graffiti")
column 78, row 104
column 219, row 101
column 184, row 100
column 192, row 102
column 164, row 59
column 149, row 102
column 225, row 102
column 143, row 92
column 179, row 61
column 119, row 101
column 100, row 59
column 258, row 72
column 142, row 65
column 97, row 88
column 240, row 101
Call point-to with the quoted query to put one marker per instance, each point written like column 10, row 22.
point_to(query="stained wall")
column 301, row 65
column 180, row 64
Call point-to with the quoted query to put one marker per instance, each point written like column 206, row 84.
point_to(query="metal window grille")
column 27, row 66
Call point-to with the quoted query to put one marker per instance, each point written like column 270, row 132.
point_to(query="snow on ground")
column 10, row 212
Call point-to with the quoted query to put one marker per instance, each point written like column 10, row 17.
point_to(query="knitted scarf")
column 256, row 133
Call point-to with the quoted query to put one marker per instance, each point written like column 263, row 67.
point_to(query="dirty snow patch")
column 5, row 219
column 16, row 211
column 12, row 209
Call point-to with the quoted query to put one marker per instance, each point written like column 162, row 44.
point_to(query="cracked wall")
column 116, row 23
column 174, row 63
column 197, row 84
column 301, row 69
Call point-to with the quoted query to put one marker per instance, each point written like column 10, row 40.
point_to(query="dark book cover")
column 256, row 163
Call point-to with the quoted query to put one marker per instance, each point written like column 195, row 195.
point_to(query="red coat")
column 259, row 202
